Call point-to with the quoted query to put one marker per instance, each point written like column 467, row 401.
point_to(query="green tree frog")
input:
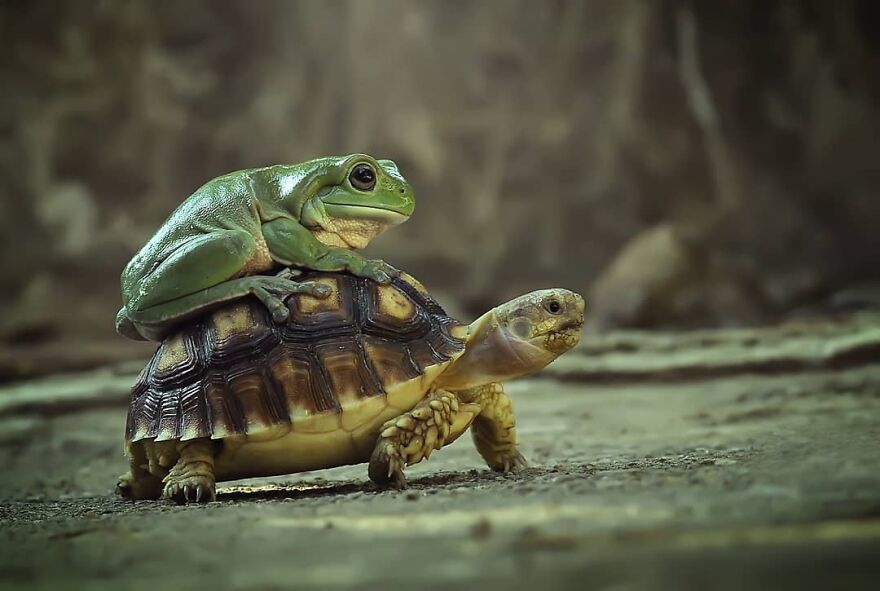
column 221, row 241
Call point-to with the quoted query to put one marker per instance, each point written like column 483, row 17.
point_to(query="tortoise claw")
column 395, row 474
column 193, row 489
column 517, row 463
column 386, row 467
column 205, row 494
column 511, row 463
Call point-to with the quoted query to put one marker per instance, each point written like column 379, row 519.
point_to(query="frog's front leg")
column 199, row 274
column 290, row 243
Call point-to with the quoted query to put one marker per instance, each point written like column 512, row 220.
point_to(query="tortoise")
column 372, row 372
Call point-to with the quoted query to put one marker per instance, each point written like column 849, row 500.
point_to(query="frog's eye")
column 362, row 177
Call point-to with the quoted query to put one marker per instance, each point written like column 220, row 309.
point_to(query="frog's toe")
column 321, row 291
column 274, row 304
column 389, row 270
column 280, row 314
column 381, row 277
column 288, row 273
column 375, row 270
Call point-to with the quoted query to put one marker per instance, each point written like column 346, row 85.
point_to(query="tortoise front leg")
column 412, row 437
column 494, row 429
column 192, row 477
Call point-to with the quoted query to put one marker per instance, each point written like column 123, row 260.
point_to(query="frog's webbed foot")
column 378, row 270
column 273, row 291
column 319, row 290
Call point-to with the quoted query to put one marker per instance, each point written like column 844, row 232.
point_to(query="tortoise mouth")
column 560, row 340
column 571, row 327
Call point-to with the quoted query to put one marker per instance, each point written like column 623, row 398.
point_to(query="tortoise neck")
column 492, row 354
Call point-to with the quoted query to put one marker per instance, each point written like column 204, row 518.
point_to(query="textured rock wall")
column 542, row 138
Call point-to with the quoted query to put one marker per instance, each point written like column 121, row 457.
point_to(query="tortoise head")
column 517, row 338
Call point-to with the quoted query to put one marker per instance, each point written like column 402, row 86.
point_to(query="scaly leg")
column 192, row 477
column 494, row 429
column 411, row 437
column 138, row 483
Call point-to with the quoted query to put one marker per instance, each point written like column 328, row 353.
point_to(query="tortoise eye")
column 362, row 177
column 553, row 306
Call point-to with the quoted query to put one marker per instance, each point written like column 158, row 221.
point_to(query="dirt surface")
column 741, row 481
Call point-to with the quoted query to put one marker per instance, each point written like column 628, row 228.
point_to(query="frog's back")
column 223, row 203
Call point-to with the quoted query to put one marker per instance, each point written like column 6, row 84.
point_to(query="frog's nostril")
column 402, row 190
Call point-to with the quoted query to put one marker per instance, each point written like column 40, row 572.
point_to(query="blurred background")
column 684, row 164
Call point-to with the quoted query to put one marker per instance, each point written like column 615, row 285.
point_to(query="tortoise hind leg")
column 412, row 437
column 494, row 429
column 191, row 480
column 138, row 483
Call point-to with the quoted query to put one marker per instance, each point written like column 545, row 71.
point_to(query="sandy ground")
column 744, row 481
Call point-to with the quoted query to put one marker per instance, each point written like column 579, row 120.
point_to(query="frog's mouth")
column 366, row 212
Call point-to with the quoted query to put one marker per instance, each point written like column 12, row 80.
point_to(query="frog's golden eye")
column 362, row 177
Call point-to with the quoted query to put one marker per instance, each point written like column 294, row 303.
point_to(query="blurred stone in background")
column 686, row 163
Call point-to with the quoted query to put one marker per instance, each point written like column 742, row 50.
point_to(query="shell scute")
column 308, row 313
column 169, row 416
column 225, row 411
column 178, row 360
column 195, row 420
column 391, row 360
column 239, row 330
column 297, row 375
column 425, row 355
column 259, row 402
column 346, row 371
column 385, row 315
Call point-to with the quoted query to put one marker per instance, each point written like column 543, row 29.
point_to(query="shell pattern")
column 236, row 372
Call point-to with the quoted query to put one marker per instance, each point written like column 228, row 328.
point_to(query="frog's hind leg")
column 202, row 273
column 197, row 264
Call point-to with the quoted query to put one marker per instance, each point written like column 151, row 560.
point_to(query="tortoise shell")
column 235, row 372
